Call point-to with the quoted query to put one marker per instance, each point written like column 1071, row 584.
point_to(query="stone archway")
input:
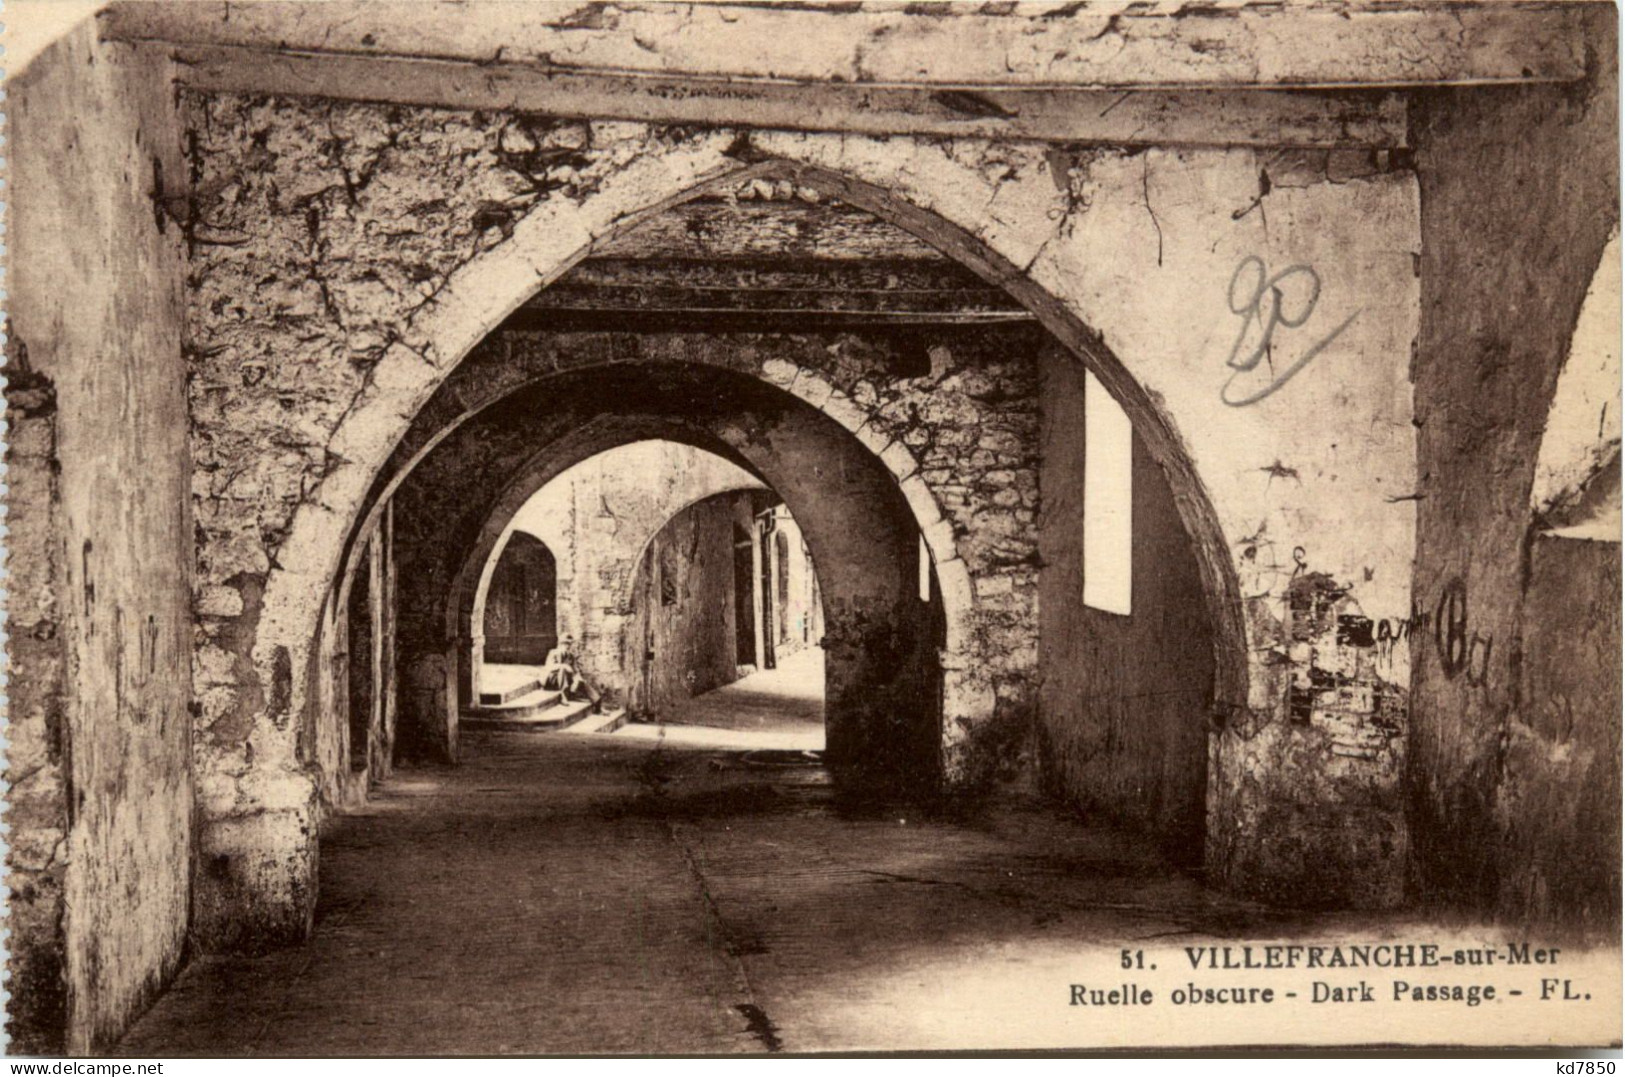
column 885, row 664
column 967, row 702
column 271, row 805
column 547, row 243
column 593, row 610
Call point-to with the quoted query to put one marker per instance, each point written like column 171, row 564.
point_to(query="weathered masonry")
column 308, row 300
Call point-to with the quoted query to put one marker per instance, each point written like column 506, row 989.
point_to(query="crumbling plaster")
column 340, row 272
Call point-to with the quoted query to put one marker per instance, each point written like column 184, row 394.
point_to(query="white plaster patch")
column 1583, row 427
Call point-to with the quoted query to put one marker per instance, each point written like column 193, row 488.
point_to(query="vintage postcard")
column 545, row 528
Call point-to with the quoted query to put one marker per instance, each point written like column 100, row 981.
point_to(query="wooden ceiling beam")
column 565, row 295
column 1349, row 119
column 1106, row 45
column 721, row 320
column 709, row 230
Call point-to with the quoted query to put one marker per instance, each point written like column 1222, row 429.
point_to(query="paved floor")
column 788, row 701
column 602, row 894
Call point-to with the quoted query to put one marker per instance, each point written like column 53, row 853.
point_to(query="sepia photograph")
column 556, row 528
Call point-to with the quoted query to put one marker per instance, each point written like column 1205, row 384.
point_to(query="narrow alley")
column 605, row 894
column 560, row 528
column 780, row 708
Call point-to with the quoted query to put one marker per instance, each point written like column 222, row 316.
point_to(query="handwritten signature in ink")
column 1291, row 306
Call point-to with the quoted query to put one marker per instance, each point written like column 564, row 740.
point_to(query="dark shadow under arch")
column 521, row 625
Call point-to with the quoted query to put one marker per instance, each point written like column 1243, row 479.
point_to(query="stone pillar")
column 388, row 682
column 470, row 651
column 254, row 884
column 450, row 712
column 1532, row 170
column 758, row 611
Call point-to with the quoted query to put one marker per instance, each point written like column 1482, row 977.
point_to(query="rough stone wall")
column 1531, row 170
column 286, row 318
column 97, row 378
column 317, row 230
column 971, row 420
column 1126, row 700
column 37, row 790
column 683, row 612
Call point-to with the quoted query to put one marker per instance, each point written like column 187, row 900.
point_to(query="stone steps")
column 541, row 712
column 510, row 694
column 608, row 722
column 544, row 707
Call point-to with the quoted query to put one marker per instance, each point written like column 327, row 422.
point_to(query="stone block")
column 899, row 461
column 921, row 501
column 779, row 372
column 811, row 388
column 843, row 410
column 219, row 601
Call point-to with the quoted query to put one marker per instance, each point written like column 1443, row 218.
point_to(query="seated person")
column 561, row 673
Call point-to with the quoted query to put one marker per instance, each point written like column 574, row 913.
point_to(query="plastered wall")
column 1127, row 700
column 102, row 836
column 682, row 638
column 1495, row 726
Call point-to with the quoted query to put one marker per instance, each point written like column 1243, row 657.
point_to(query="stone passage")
column 621, row 895
column 306, row 308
